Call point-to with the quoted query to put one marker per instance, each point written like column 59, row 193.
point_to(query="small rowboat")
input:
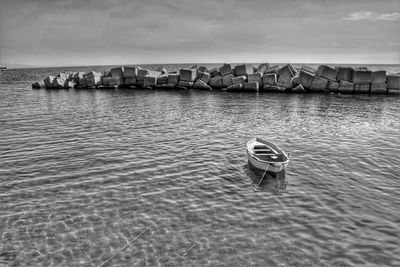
column 265, row 156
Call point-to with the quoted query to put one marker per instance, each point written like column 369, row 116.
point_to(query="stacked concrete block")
column 38, row 85
column 226, row 69
column 227, row 80
column 113, row 81
column 205, row 77
column 393, row 84
column 362, row 80
column 185, row 84
column 270, row 79
column 216, row 82
column 83, row 82
column 214, row 72
column 130, row 72
column 346, row 87
column 378, row 82
column 378, row 77
column 150, row 80
column 244, row 69
column 62, row 75
column 272, row 88
column 117, row 72
column 378, row 88
column 93, row 78
column 199, row 84
column 272, row 69
column 262, row 68
column 285, row 76
column 128, row 81
column 78, row 76
column 344, row 74
column 333, row 86
column 255, row 77
column 162, row 79
column 141, row 73
column 305, row 78
column 173, row 78
column 362, row 77
column 318, row 84
column 327, row 72
column 239, row 79
column 48, row 81
column 69, row 84
column 188, row 75
column 251, row 86
column 58, row 82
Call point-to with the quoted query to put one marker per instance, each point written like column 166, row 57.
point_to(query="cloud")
column 372, row 16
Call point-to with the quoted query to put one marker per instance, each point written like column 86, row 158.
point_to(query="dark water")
column 83, row 172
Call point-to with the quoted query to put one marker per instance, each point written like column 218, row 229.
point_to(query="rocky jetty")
column 239, row 78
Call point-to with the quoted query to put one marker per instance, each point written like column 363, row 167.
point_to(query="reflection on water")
column 84, row 172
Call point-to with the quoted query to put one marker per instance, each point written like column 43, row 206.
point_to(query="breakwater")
column 238, row 78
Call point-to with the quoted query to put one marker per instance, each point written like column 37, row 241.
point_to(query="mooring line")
column 127, row 245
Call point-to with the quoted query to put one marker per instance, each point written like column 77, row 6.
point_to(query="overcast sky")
column 102, row 32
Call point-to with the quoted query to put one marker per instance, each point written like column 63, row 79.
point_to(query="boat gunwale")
column 272, row 145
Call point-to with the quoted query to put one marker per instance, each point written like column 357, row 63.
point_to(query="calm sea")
column 83, row 172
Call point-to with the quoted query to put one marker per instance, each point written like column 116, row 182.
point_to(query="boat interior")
column 266, row 153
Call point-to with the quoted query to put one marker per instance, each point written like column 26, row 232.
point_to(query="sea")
column 160, row 177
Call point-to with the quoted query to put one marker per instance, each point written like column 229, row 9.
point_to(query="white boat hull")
column 266, row 166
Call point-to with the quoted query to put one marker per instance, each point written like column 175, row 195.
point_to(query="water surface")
column 83, row 172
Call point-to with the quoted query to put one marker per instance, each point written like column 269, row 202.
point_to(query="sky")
column 116, row 32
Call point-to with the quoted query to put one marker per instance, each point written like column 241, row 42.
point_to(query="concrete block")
column 327, row 72
column 262, row 68
column 205, row 77
column 48, row 81
column 227, row 80
column 272, row 69
column 225, row 70
column 93, row 80
column 378, row 88
column 285, row 76
column 295, row 81
column 141, row 73
column 203, row 69
column 162, row 79
column 130, row 72
column 38, row 85
column 270, row 79
column 255, row 77
column 117, row 72
column 173, row 78
column 150, row 80
column 298, row 89
column 216, row 82
column 188, row 75
column 308, row 69
column 306, row 78
column 244, row 69
column 252, row 86
column 239, row 79
column 62, row 75
column 235, row 88
column 362, row 76
column 346, row 87
column 393, row 81
column 378, row 76
column 318, row 84
column 362, row 88
column 69, row 84
column 272, row 88
column 128, row 81
column 332, row 86
column 83, row 82
column 199, row 84
column 58, row 82
column 214, row 72
column 344, row 74
column 114, row 81
column 185, row 84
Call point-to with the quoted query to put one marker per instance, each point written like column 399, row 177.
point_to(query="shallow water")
column 83, row 172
